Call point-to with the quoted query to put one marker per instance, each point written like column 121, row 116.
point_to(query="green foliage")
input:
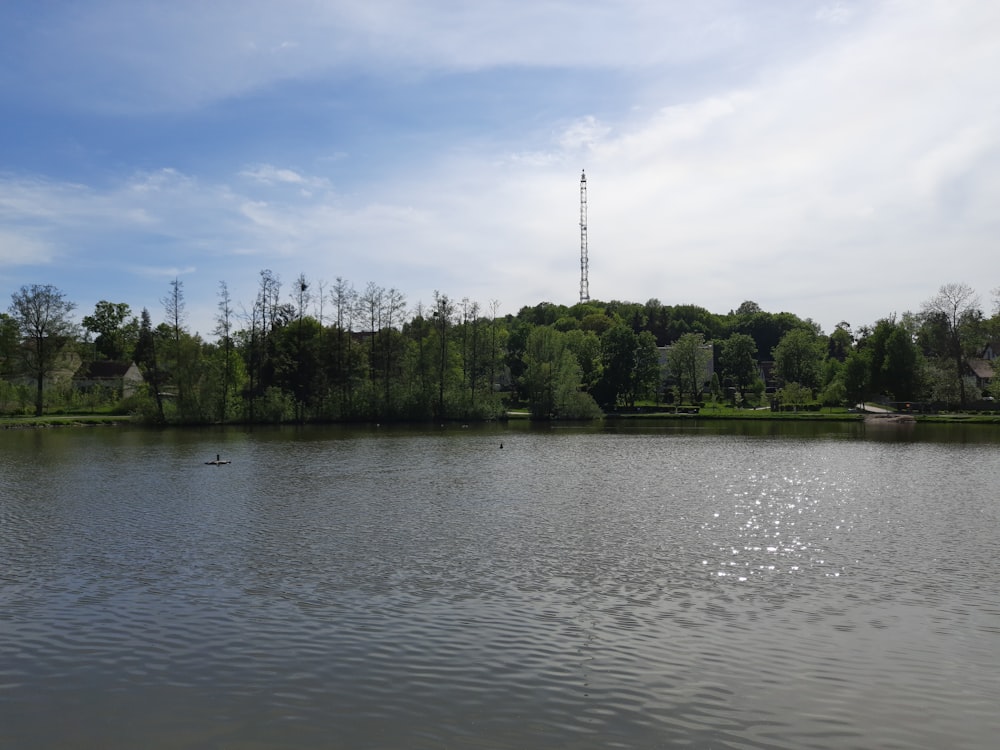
column 9, row 341
column 371, row 359
column 834, row 394
column 566, row 323
column 275, row 406
column 892, row 361
column 647, row 374
column 15, row 399
column 797, row 357
column 688, row 361
column 716, row 388
column 579, row 405
column 552, row 378
column 42, row 316
column 766, row 329
column 597, row 323
column 795, row 394
column 856, row 376
column 900, row 370
column 618, row 348
column 542, row 314
column 953, row 331
column 116, row 328
column 993, row 390
column 841, row 343
column 738, row 361
column 586, row 347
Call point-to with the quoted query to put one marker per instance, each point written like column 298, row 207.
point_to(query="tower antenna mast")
column 584, row 260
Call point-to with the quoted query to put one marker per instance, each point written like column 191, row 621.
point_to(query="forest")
column 308, row 353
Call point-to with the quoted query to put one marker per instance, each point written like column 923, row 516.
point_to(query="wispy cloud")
column 119, row 55
column 821, row 158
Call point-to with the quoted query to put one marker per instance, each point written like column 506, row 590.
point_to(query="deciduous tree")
column 147, row 358
column 618, row 347
column 955, row 310
column 115, row 327
column 688, row 361
column 552, row 378
column 42, row 314
column 797, row 357
column 738, row 361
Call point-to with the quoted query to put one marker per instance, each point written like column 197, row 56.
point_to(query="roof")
column 104, row 370
column 981, row 368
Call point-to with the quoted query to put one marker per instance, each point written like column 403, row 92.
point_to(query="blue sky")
column 837, row 160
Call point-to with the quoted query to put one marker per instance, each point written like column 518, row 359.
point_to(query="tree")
column 618, row 347
column 301, row 296
column 674, row 322
column 630, row 366
column 497, row 344
column 797, row 357
column 900, row 368
column 955, row 311
column 294, row 356
column 116, row 329
column 390, row 341
column 552, row 378
column 647, row 376
column 841, row 342
column 857, row 368
column 345, row 304
column 767, row 329
column 443, row 316
column 738, row 361
column 9, row 344
column 688, row 361
column 418, row 331
column 265, row 315
column 224, row 330
column 748, row 307
column 586, row 347
column 41, row 313
column 147, row 357
column 179, row 368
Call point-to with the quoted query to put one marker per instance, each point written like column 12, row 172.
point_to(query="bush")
column 579, row 405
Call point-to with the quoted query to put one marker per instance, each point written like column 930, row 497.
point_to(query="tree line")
column 337, row 353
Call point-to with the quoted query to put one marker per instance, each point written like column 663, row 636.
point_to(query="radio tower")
column 584, row 262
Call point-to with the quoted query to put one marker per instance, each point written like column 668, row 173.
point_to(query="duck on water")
column 218, row 461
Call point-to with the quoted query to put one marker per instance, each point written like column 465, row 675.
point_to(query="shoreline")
column 100, row 420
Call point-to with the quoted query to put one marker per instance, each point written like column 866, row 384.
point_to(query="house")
column 982, row 371
column 123, row 378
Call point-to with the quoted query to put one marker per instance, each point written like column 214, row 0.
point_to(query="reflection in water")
column 581, row 588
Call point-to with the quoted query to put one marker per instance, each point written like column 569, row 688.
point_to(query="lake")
column 639, row 585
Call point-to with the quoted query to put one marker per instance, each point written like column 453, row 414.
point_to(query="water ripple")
column 405, row 591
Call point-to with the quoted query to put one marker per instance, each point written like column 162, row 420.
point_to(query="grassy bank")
column 708, row 412
column 63, row 420
column 714, row 412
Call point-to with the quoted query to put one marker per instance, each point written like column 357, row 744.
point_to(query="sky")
column 836, row 160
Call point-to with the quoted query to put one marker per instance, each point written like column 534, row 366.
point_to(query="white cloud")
column 268, row 174
column 583, row 134
column 835, row 13
column 161, row 273
column 121, row 55
column 830, row 181
column 19, row 248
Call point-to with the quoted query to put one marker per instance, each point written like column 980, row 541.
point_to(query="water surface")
column 633, row 586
